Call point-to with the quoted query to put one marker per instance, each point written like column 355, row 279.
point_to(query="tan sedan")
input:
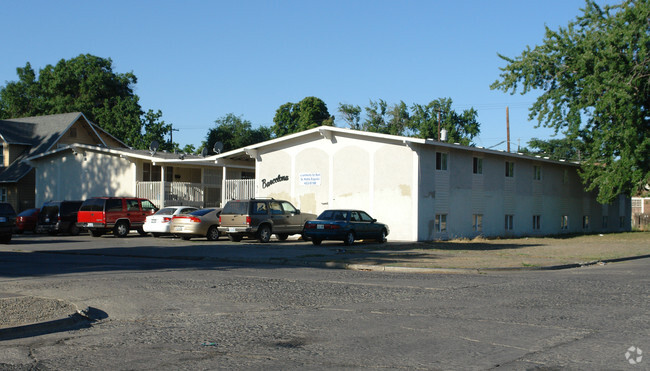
column 199, row 223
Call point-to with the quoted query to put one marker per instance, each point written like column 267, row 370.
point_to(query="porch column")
column 162, row 186
column 223, row 186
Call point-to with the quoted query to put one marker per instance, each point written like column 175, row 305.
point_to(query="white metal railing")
column 179, row 193
column 239, row 189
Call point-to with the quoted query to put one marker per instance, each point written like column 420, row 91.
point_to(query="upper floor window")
column 2, row 155
column 3, row 194
column 537, row 172
column 510, row 169
column 441, row 161
column 477, row 167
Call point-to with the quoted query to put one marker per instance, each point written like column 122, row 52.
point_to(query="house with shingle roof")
column 21, row 138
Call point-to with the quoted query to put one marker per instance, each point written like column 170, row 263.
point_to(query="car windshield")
column 235, row 207
column 166, row 211
column 333, row 215
column 201, row 212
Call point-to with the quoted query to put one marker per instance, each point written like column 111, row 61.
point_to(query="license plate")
column 153, row 221
column 178, row 228
column 320, row 226
column 90, row 225
column 232, row 229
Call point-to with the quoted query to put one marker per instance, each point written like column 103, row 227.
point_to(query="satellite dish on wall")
column 204, row 152
column 218, row 147
column 153, row 147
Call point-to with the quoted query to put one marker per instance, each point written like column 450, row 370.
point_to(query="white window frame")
column 441, row 223
column 509, row 222
column 442, row 159
column 477, row 222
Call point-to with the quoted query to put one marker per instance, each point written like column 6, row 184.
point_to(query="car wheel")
column 74, row 230
column 141, row 232
column 382, row 236
column 316, row 241
column 156, row 234
column 283, row 236
column 235, row 237
column 121, row 229
column 349, row 238
column 186, row 238
column 95, row 233
column 213, row 234
column 264, row 234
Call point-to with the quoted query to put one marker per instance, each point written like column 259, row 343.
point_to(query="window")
column 605, row 221
column 147, row 206
column 2, row 155
column 3, row 194
column 510, row 169
column 275, row 207
column 564, row 222
column 132, row 205
column 537, row 172
column 247, row 175
column 441, row 161
column 441, row 223
column 365, row 217
column 509, row 222
column 114, row 204
column 585, row 222
column 477, row 222
column 477, row 168
column 169, row 174
column 537, row 222
column 288, row 208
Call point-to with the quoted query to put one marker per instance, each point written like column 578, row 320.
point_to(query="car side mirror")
column 297, row 212
column 374, row 220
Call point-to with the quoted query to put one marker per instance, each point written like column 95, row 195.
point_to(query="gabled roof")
column 40, row 134
column 249, row 153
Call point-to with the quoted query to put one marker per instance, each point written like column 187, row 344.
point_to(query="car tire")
column 316, row 241
column 156, row 234
column 121, row 229
column 141, row 232
column 95, row 233
column 73, row 230
column 349, row 238
column 382, row 236
column 264, row 234
column 282, row 236
column 235, row 237
column 213, row 233
column 186, row 238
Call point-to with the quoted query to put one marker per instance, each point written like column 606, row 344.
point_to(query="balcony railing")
column 195, row 194
column 239, row 189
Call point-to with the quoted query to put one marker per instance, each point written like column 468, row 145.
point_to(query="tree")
column 556, row 149
column 309, row 113
column 594, row 78
column 86, row 84
column 461, row 128
column 234, row 132
column 351, row 115
column 155, row 129
column 386, row 120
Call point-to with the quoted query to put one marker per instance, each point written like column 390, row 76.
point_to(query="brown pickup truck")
column 260, row 218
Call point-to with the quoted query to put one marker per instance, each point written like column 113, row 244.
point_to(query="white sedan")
column 158, row 223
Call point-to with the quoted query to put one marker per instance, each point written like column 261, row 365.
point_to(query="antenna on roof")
column 153, row 147
column 218, row 147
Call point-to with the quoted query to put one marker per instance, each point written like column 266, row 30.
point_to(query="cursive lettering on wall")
column 270, row 182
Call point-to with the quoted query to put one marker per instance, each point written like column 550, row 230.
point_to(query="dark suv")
column 260, row 218
column 100, row 215
column 7, row 221
column 58, row 216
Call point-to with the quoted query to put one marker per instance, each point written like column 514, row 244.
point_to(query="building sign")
column 270, row 182
column 309, row 179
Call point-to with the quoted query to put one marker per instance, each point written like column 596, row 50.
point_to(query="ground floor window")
column 564, row 222
column 3, row 194
column 585, row 222
column 537, row 222
column 509, row 222
column 477, row 222
column 441, row 223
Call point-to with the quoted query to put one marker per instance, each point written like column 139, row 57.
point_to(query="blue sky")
column 197, row 61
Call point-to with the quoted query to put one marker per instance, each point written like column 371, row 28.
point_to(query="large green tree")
column 556, row 149
column 594, row 80
column 309, row 113
column 234, row 132
column 86, row 84
column 461, row 127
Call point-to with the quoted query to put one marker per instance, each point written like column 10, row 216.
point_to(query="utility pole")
column 508, row 127
column 171, row 134
column 438, row 125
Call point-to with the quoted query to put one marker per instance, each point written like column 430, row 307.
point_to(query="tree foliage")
column 309, row 113
column 234, row 132
column 594, row 79
column 85, row 84
column 556, row 149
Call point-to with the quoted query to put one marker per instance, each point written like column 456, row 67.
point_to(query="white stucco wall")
column 375, row 176
column 66, row 176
